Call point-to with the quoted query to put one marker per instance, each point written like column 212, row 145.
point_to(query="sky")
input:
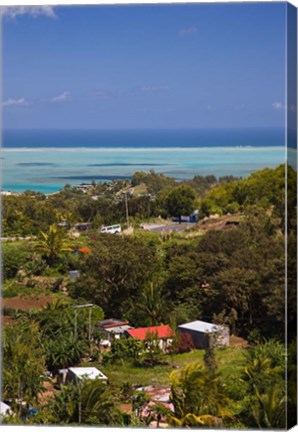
column 144, row 66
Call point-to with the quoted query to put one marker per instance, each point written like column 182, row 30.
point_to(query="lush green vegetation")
column 234, row 275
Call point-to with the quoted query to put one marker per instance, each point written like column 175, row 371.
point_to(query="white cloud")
column 278, row 106
column 62, row 97
column 33, row 11
column 188, row 31
column 11, row 102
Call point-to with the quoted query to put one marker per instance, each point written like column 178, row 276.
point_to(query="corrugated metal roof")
column 88, row 372
column 4, row 408
column 119, row 329
column 162, row 332
column 202, row 326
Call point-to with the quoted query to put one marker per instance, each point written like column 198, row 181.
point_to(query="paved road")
column 172, row 227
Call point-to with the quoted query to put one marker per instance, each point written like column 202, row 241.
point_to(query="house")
column 164, row 334
column 84, row 187
column 203, row 333
column 76, row 374
column 112, row 329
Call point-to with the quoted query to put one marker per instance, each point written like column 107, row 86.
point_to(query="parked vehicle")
column 111, row 229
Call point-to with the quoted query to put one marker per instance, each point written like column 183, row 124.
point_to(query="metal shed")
column 76, row 374
column 203, row 333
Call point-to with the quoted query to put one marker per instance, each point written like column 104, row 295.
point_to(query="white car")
column 111, row 229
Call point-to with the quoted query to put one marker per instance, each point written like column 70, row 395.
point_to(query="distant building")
column 113, row 329
column 193, row 218
column 203, row 333
column 76, row 374
column 164, row 334
column 83, row 187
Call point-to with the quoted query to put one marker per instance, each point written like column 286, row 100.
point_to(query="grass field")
column 230, row 361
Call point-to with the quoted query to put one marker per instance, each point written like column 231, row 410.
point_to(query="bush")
column 12, row 260
column 35, row 267
column 186, row 343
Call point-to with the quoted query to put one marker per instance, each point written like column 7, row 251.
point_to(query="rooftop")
column 162, row 332
column 87, row 372
column 118, row 329
column 111, row 322
column 202, row 326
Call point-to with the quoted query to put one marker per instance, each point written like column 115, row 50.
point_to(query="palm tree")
column 152, row 303
column 52, row 243
column 197, row 393
column 270, row 412
column 97, row 404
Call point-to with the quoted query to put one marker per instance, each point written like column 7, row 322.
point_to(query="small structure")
column 164, row 334
column 192, row 218
column 74, row 274
column 83, row 226
column 84, row 187
column 205, row 334
column 113, row 329
column 4, row 409
column 76, row 374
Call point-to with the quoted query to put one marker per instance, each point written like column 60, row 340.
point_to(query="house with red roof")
column 163, row 334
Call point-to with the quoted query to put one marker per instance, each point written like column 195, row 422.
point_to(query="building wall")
column 201, row 340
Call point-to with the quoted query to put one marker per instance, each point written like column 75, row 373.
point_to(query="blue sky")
column 146, row 66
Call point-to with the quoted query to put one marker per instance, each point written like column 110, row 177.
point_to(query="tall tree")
column 181, row 201
column 23, row 364
column 52, row 243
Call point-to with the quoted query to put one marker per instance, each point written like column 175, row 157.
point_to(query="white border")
column 111, row 2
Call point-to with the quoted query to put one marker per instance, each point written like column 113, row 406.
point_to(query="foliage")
column 13, row 258
column 125, row 349
column 52, row 243
column 197, row 392
column 181, row 201
column 185, row 343
column 152, row 304
column 90, row 402
column 23, row 363
column 111, row 276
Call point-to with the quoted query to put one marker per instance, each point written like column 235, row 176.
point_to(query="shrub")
column 186, row 343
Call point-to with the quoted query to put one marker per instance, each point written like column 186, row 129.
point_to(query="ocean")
column 46, row 160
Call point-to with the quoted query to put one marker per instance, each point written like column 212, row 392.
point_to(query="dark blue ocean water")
column 46, row 160
column 143, row 138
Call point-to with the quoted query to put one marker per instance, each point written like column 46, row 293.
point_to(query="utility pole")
column 89, row 305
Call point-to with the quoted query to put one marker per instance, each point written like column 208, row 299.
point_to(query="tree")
column 181, row 201
column 89, row 402
column 197, row 392
column 152, row 303
column 52, row 243
column 114, row 273
column 23, row 363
